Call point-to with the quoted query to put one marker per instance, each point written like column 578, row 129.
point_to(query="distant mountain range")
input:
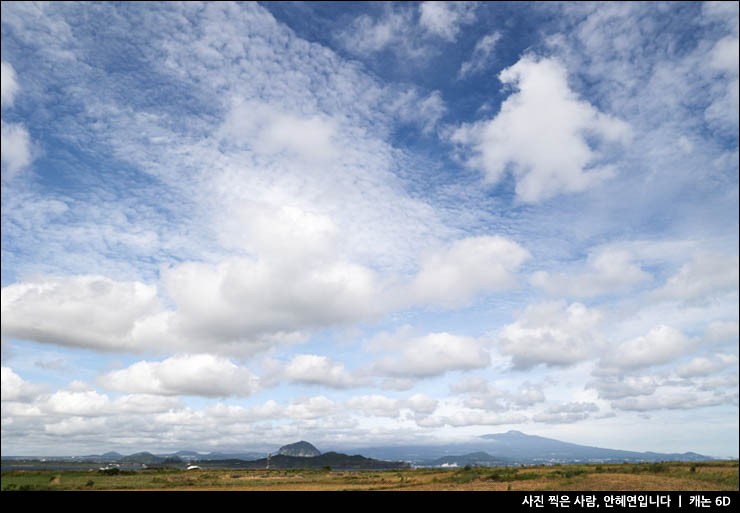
column 510, row 448
column 517, row 448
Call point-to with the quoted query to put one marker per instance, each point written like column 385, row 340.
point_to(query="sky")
column 228, row 227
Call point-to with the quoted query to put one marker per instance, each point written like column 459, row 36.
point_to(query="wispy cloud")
column 481, row 56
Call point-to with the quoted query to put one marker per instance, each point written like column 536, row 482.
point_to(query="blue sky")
column 233, row 226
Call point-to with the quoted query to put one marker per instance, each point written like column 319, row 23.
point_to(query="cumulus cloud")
column 267, row 129
column 433, row 355
column 9, row 86
column 607, row 271
column 723, row 61
column 200, row 374
column 87, row 403
column 420, row 403
column 16, row 148
column 722, row 332
column 382, row 406
column 444, row 19
column 375, row 405
column 706, row 366
column 311, row 408
column 543, row 133
column 313, row 369
column 468, row 417
column 76, row 426
column 15, row 388
column 453, row 275
column 244, row 304
column 144, row 403
column 484, row 395
column 674, row 398
column 481, row 57
column 566, row 413
column 706, row 276
column 662, row 344
column 551, row 333
column 621, row 386
column 80, row 311
column 15, row 140
column 241, row 299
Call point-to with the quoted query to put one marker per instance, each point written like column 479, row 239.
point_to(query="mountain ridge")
column 510, row 448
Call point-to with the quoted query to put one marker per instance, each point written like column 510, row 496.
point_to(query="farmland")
column 716, row 475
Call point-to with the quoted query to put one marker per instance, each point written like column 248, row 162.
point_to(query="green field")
column 717, row 475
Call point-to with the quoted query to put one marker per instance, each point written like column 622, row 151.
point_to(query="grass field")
column 610, row 477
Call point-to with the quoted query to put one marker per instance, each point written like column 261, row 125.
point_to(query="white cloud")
column 722, row 332
column 382, row 406
column 311, row 408
column 566, row 413
column 673, row 398
column 481, row 57
column 143, row 404
column 76, row 426
column 444, row 19
column 313, row 369
column 16, row 148
column 411, row 106
column 79, row 403
column 467, row 417
column 726, row 12
column 552, row 334
column 241, row 299
column 420, row 403
column 376, row 405
column 607, row 271
column 267, row 129
column 433, row 355
column 620, row 386
column 484, row 395
column 453, row 275
column 367, row 35
column 80, row 311
column 725, row 55
column 9, row 84
column 704, row 366
column 662, row 344
column 723, row 60
column 396, row 29
column 244, row 304
column 15, row 141
column 707, row 275
column 15, row 388
column 199, row 374
column 544, row 133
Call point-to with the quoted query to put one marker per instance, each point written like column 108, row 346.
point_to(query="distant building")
column 193, row 467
